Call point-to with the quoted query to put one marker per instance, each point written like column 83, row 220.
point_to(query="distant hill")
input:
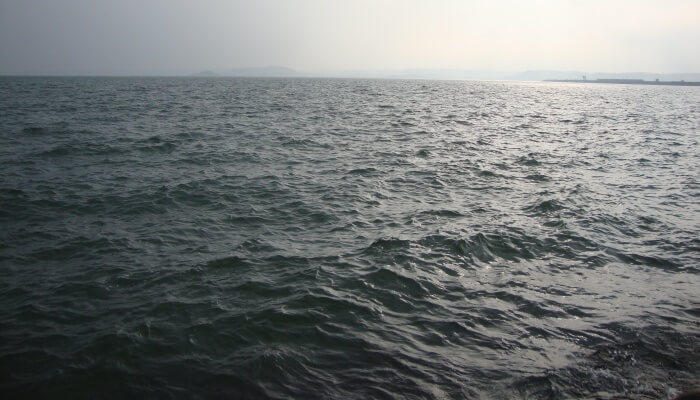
column 206, row 73
column 647, row 76
column 416, row 73
column 537, row 75
column 275, row 71
column 263, row 72
column 545, row 74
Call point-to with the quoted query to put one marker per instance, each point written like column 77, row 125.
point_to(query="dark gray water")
column 262, row 238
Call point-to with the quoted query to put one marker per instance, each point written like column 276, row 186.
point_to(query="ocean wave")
column 277, row 238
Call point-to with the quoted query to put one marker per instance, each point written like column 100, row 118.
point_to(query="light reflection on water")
column 347, row 238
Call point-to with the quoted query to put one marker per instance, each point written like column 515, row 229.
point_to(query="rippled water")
column 306, row 238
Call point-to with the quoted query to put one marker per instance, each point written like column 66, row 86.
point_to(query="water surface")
column 277, row 238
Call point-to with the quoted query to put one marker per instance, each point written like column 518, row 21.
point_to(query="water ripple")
column 277, row 238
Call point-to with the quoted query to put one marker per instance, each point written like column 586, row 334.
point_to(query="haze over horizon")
column 81, row 37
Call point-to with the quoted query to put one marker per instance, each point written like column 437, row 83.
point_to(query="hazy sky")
column 183, row 36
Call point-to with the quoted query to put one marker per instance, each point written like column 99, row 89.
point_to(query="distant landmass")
column 628, row 82
column 272, row 71
column 578, row 75
column 447, row 74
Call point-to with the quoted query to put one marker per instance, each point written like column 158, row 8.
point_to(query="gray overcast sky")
column 183, row 36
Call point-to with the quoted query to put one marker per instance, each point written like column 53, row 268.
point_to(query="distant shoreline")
column 627, row 82
column 198, row 76
column 681, row 78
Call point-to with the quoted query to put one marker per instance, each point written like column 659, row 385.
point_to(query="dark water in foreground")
column 347, row 239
